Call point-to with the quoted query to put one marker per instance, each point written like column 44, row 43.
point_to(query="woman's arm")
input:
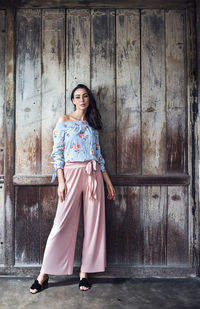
column 110, row 188
column 58, row 158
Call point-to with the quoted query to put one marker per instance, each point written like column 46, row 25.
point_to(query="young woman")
column 80, row 168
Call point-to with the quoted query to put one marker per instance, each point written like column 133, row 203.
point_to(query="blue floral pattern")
column 75, row 141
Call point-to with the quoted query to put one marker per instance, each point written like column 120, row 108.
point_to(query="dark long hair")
column 92, row 116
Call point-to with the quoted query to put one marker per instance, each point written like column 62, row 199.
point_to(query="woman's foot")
column 42, row 280
column 84, row 284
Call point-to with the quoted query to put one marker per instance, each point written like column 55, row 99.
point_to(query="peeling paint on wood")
column 124, row 227
column 27, row 244
column 28, row 91
column 147, row 229
column 77, row 52
column 154, row 201
column 2, row 82
column 175, row 92
column 177, row 226
column 128, row 91
column 153, row 91
column 53, row 80
column 9, row 131
column 103, row 78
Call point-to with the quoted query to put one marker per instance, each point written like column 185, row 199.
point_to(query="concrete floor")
column 105, row 293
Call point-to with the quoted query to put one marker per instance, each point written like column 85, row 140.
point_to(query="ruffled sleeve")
column 101, row 160
column 58, row 148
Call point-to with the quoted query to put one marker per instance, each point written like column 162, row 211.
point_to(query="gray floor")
column 104, row 294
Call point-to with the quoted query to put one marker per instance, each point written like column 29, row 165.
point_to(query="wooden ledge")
column 119, row 180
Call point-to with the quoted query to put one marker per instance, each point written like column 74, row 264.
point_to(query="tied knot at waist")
column 91, row 168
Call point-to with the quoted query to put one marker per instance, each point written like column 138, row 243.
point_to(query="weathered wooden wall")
column 136, row 63
column 2, row 98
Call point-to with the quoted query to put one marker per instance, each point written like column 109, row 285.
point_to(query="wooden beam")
column 197, row 126
column 152, row 4
column 122, row 180
column 9, row 136
column 193, row 135
column 122, row 271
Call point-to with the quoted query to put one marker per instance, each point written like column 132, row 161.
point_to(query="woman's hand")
column 111, row 192
column 62, row 191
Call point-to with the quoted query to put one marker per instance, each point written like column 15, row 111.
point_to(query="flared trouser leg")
column 59, row 252
column 94, row 242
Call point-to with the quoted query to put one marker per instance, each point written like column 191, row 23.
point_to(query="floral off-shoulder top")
column 75, row 141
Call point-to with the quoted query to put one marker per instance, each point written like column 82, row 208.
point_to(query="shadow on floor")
column 106, row 293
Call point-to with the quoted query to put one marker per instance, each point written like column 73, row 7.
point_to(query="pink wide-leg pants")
column 59, row 252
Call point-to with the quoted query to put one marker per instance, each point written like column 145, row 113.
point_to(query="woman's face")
column 81, row 98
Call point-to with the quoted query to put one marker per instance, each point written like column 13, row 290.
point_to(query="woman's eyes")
column 85, row 96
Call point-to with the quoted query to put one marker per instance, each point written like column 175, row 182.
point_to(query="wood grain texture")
column 2, row 83
column 196, row 13
column 48, row 206
column 41, row 180
column 153, row 91
column 27, row 242
column 128, row 91
column 9, row 134
column 154, row 201
column 124, row 227
column 175, row 92
column 77, row 52
column 53, row 80
column 192, row 155
column 28, row 91
column 144, row 224
column 2, row 225
column 93, row 3
column 177, row 226
column 103, row 79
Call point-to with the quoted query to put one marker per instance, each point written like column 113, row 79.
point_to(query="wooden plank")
column 197, row 134
column 128, row 91
column 53, row 79
column 122, row 271
column 77, row 52
column 175, row 92
column 151, row 4
column 28, row 91
column 48, row 206
column 154, row 203
column 2, row 84
column 9, row 134
column 177, row 226
column 153, row 91
column 27, row 244
column 103, row 79
column 2, row 225
column 192, row 138
column 24, row 180
column 124, row 227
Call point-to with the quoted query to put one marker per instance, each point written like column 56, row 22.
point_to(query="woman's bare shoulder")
column 63, row 118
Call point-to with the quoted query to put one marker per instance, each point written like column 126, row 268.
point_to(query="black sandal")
column 84, row 282
column 37, row 286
